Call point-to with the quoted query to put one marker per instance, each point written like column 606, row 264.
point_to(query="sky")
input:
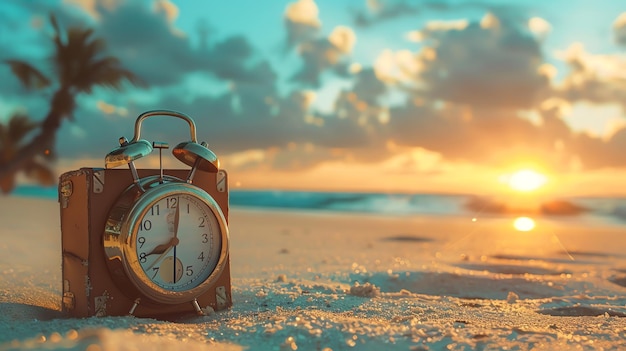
column 351, row 95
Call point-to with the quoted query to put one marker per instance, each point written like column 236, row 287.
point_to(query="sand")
column 324, row 281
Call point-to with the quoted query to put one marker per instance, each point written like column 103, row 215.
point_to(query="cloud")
column 168, row 8
column 143, row 39
column 343, row 38
column 469, row 85
column 303, row 12
column 593, row 78
column 250, row 116
column 490, row 63
column 325, row 54
column 539, row 26
column 462, row 114
column 380, row 11
column 318, row 54
column 92, row 7
column 397, row 68
column 465, row 94
column 253, row 116
column 162, row 55
column 158, row 62
column 301, row 22
column 619, row 29
column 481, row 135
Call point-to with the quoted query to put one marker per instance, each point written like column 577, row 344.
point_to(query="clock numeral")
column 201, row 222
column 145, row 225
column 155, row 210
column 172, row 202
column 189, row 271
column 155, row 270
column 143, row 257
column 201, row 257
column 205, row 238
column 187, row 208
column 141, row 240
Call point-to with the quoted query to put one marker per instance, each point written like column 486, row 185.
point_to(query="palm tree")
column 11, row 136
column 79, row 65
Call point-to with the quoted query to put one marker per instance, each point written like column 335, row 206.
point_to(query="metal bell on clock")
column 198, row 156
column 127, row 152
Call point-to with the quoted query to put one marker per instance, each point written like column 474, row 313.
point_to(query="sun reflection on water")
column 524, row 224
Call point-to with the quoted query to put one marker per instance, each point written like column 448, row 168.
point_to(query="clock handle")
column 147, row 114
column 194, row 154
column 128, row 151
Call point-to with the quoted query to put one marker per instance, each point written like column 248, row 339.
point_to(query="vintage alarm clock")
column 146, row 242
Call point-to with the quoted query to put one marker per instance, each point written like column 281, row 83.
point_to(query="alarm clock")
column 146, row 242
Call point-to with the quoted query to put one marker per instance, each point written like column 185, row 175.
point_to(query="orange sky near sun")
column 434, row 177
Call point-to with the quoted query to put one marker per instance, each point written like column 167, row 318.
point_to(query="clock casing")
column 91, row 284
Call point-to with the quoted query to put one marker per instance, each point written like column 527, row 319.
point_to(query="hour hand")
column 159, row 249
column 163, row 249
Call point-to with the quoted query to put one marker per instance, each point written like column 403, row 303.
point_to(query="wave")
column 611, row 209
column 381, row 203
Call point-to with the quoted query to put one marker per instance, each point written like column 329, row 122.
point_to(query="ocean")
column 606, row 210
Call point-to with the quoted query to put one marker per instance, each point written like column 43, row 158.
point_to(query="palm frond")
column 19, row 126
column 15, row 130
column 28, row 75
column 107, row 73
column 40, row 172
column 55, row 25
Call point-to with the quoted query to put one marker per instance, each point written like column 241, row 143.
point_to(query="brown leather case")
column 85, row 197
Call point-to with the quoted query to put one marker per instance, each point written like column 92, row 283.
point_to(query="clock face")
column 178, row 242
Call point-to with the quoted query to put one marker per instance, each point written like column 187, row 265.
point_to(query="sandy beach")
column 327, row 281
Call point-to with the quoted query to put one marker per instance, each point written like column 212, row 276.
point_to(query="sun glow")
column 525, row 180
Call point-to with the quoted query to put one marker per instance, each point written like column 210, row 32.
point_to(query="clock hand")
column 177, row 218
column 161, row 248
column 164, row 249
column 176, row 222
column 172, row 243
column 174, row 278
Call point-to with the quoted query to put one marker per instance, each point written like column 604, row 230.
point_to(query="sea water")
column 605, row 209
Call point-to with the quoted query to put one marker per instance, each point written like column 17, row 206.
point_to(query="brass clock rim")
column 120, row 237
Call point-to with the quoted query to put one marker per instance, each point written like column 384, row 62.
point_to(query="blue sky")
column 313, row 94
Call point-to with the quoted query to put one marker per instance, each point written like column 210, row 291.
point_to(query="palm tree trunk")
column 62, row 105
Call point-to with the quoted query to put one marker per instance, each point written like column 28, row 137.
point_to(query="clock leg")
column 135, row 304
column 197, row 307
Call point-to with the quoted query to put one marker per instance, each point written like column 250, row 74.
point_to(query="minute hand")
column 167, row 247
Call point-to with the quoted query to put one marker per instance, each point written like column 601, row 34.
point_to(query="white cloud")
column 343, row 38
column 303, row 12
column 447, row 25
column 400, row 66
column 539, row 26
column 489, row 21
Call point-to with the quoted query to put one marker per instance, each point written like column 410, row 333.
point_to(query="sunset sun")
column 525, row 180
